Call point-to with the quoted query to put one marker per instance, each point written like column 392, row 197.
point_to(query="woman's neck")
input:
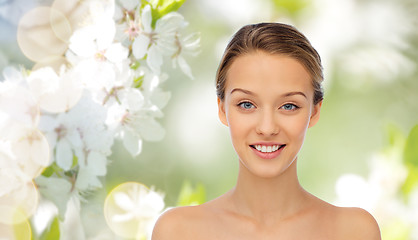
column 268, row 200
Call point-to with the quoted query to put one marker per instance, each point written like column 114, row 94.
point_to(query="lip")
column 269, row 155
column 267, row 143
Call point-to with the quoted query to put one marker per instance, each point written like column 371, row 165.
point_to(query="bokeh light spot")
column 43, row 34
column 19, row 204
column 18, row 231
column 66, row 92
column 130, row 210
column 32, row 151
column 76, row 12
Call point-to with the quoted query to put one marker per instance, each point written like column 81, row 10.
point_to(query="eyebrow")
column 288, row 94
column 242, row 90
column 294, row 93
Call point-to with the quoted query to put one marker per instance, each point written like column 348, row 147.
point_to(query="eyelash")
column 294, row 107
column 241, row 105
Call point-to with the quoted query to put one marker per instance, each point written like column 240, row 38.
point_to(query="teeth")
column 267, row 149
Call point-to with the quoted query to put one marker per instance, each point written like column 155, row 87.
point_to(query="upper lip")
column 267, row 144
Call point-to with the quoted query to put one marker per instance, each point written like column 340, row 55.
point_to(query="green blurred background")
column 369, row 50
column 370, row 56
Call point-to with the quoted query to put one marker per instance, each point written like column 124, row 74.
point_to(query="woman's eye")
column 289, row 107
column 246, row 105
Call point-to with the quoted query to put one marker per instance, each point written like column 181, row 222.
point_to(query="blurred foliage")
column 190, row 196
column 52, row 232
column 291, row 7
column 411, row 148
column 398, row 230
column 410, row 157
column 162, row 7
column 22, row 231
column 403, row 149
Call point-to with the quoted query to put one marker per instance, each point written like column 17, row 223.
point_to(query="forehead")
column 264, row 72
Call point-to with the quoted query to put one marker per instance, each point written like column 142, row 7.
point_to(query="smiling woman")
column 269, row 94
column 279, row 90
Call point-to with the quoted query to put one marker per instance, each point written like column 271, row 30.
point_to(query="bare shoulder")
column 191, row 222
column 357, row 223
column 172, row 223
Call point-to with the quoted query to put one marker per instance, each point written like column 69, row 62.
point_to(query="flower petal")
column 155, row 59
column 124, row 201
column 97, row 163
column 116, row 53
column 130, row 4
column 140, row 46
column 132, row 143
column 170, row 23
column 82, row 42
column 153, row 203
column 151, row 130
column 86, row 180
column 47, row 123
column 147, row 19
column 106, row 31
column 185, row 67
column 132, row 99
column 64, row 155
column 57, row 190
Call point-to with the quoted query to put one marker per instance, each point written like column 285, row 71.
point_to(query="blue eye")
column 246, row 105
column 289, row 107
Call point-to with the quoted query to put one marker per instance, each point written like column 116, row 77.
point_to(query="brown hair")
column 273, row 38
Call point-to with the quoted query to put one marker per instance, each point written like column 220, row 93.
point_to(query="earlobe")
column 221, row 112
column 315, row 114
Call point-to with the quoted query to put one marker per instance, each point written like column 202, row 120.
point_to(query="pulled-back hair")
column 272, row 38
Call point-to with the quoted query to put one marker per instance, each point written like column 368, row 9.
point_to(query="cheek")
column 297, row 126
column 236, row 124
column 239, row 125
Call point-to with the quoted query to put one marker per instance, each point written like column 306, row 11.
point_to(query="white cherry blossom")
column 134, row 119
column 157, row 42
column 131, row 210
column 188, row 45
column 87, row 140
column 57, row 190
column 17, row 103
column 23, row 155
column 95, row 55
column 19, row 203
column 126, row 9
column 55, row 93
column 117, row 91
column 132, row 127
column 65, row 119
column 153, row 94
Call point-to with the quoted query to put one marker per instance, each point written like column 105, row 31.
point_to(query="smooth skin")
column 268, row 100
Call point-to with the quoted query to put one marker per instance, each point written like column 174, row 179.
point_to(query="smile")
column 267, row 149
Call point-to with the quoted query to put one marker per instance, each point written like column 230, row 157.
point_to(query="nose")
column 267, row 124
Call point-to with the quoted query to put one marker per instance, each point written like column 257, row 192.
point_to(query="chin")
column 268, row 172
column 268, row 168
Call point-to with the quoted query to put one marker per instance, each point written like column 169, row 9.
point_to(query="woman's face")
column 268, row 107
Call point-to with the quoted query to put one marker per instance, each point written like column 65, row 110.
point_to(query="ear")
column 315, row 114
column 221, row 112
